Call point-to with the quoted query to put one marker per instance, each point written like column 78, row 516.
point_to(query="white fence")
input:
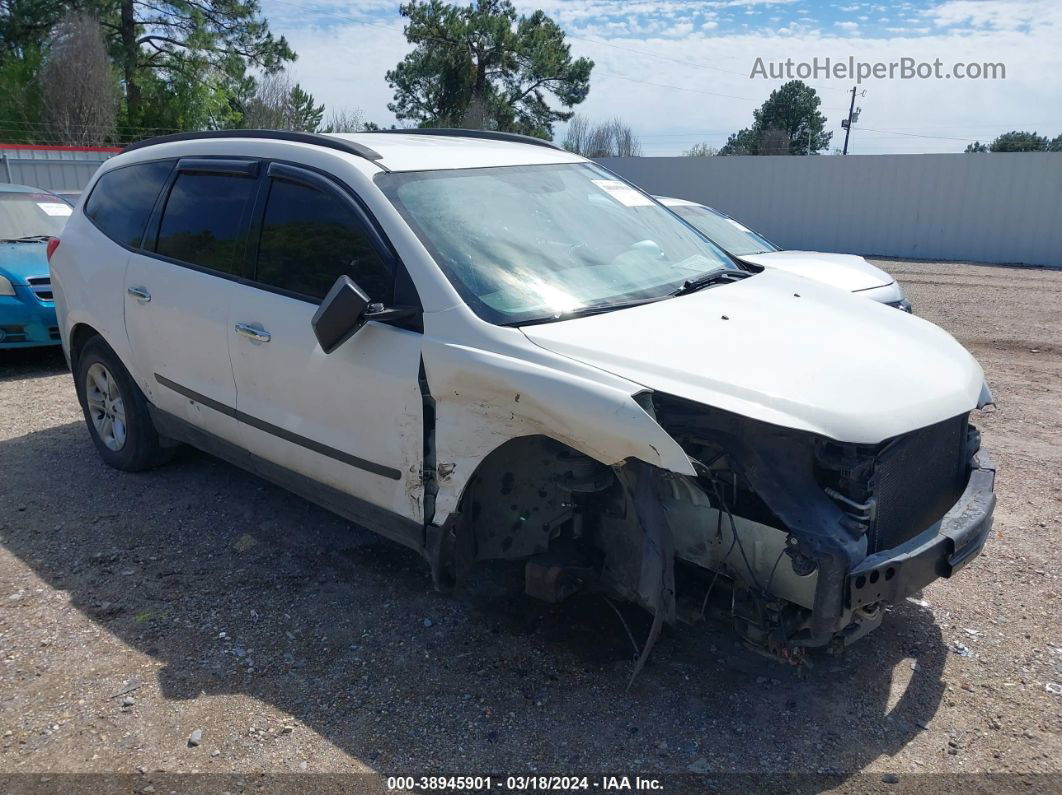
column 996, row 207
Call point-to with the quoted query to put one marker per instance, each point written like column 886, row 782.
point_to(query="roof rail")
column 328, row 141
column 490, row 135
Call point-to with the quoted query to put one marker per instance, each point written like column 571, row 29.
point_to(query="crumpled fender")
column 483, row 399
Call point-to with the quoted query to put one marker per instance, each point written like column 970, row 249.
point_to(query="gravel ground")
column 197, row 619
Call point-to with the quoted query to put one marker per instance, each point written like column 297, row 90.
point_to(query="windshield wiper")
column 26, row 239
column 588, row 309
column 714, row 276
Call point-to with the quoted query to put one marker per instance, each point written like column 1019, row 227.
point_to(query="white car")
column 845, row 271
column 487, row 348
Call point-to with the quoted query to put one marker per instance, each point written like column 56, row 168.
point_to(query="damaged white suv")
column 483, row 347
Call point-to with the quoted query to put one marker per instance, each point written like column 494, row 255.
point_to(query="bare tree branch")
column 77, row 83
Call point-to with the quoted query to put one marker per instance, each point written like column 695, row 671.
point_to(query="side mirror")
column 340, row 315
column 346, row 309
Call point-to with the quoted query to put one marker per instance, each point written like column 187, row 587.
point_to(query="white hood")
column 826, row 362
column 846, row 271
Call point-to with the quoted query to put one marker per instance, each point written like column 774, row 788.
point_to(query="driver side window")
column 309, row 238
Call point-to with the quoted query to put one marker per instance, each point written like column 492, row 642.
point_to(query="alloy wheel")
column 106, row 406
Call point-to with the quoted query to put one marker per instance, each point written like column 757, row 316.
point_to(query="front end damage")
column 813, row 536
column 796, row 539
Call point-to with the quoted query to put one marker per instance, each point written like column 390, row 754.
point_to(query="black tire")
column 138, row 446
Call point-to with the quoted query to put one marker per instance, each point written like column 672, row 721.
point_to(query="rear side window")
column 311, row 238
column 203, row 219
column 122, row 200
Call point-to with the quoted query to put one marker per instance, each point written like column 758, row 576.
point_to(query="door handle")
column 253, row 332
column 140, row 294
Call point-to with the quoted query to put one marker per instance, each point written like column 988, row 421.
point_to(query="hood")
column 846, row 271
column 21, row 261
column 825, row 362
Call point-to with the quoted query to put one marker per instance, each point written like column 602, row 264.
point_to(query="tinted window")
column 122, row 200
column 202, row 220
column 310, row 238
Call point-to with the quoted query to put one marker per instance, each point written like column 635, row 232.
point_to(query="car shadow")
column 17, row 364
column 238, row 587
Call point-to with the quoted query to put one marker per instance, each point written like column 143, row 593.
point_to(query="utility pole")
column 853, row 116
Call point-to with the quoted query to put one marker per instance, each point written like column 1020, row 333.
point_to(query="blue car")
column 29, row 217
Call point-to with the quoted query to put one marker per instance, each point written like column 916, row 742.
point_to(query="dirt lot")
column 138, row 609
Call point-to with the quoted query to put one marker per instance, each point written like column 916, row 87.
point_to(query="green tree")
column 482, row 67
column 1018, row 141
column 181, row 63
column 788, row 122
column 305, row 115
column 743, row 142
column 22, row 109
column 188, row 41
column 25, row 26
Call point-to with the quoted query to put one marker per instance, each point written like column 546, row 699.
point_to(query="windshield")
column 31, row 215
column 530, row 243
column 725, row 232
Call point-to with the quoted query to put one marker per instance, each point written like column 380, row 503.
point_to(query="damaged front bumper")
column 894, row 574
column 816, row 536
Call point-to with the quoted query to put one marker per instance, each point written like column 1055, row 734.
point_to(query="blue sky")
column 678, row 70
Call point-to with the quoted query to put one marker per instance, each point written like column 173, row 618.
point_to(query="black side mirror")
column 340, row 315
column 346, row 309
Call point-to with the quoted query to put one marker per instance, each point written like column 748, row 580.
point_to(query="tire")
column 116, row 411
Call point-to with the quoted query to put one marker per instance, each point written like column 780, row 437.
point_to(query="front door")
column 352, row 419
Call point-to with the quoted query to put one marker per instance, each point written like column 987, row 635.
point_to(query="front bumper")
column 26, row 321
column 894, row 574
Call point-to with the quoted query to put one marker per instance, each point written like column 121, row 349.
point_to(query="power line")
column 918, row 135
column 677, row 88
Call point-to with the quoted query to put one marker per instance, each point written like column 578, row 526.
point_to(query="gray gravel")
column 141, row 612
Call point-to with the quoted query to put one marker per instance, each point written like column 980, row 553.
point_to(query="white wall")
column 997, row 207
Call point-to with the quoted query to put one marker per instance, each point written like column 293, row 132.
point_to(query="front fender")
column 483, row 399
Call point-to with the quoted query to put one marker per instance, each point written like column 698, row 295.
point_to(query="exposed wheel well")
column 523, row 497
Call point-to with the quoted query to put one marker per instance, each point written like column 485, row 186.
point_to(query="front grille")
column 917, row 478
column 41, row 287
column 53, row 332
column 12, row 333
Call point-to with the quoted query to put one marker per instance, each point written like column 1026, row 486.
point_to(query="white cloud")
column 343, row 65
column 995, row 14
column 850, row 26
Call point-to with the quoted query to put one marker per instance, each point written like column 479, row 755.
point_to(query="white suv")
column 484, row 347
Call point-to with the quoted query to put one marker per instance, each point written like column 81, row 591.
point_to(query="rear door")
column 178, row 291
column 352, row 419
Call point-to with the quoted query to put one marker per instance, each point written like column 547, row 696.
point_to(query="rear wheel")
column 116, row 411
